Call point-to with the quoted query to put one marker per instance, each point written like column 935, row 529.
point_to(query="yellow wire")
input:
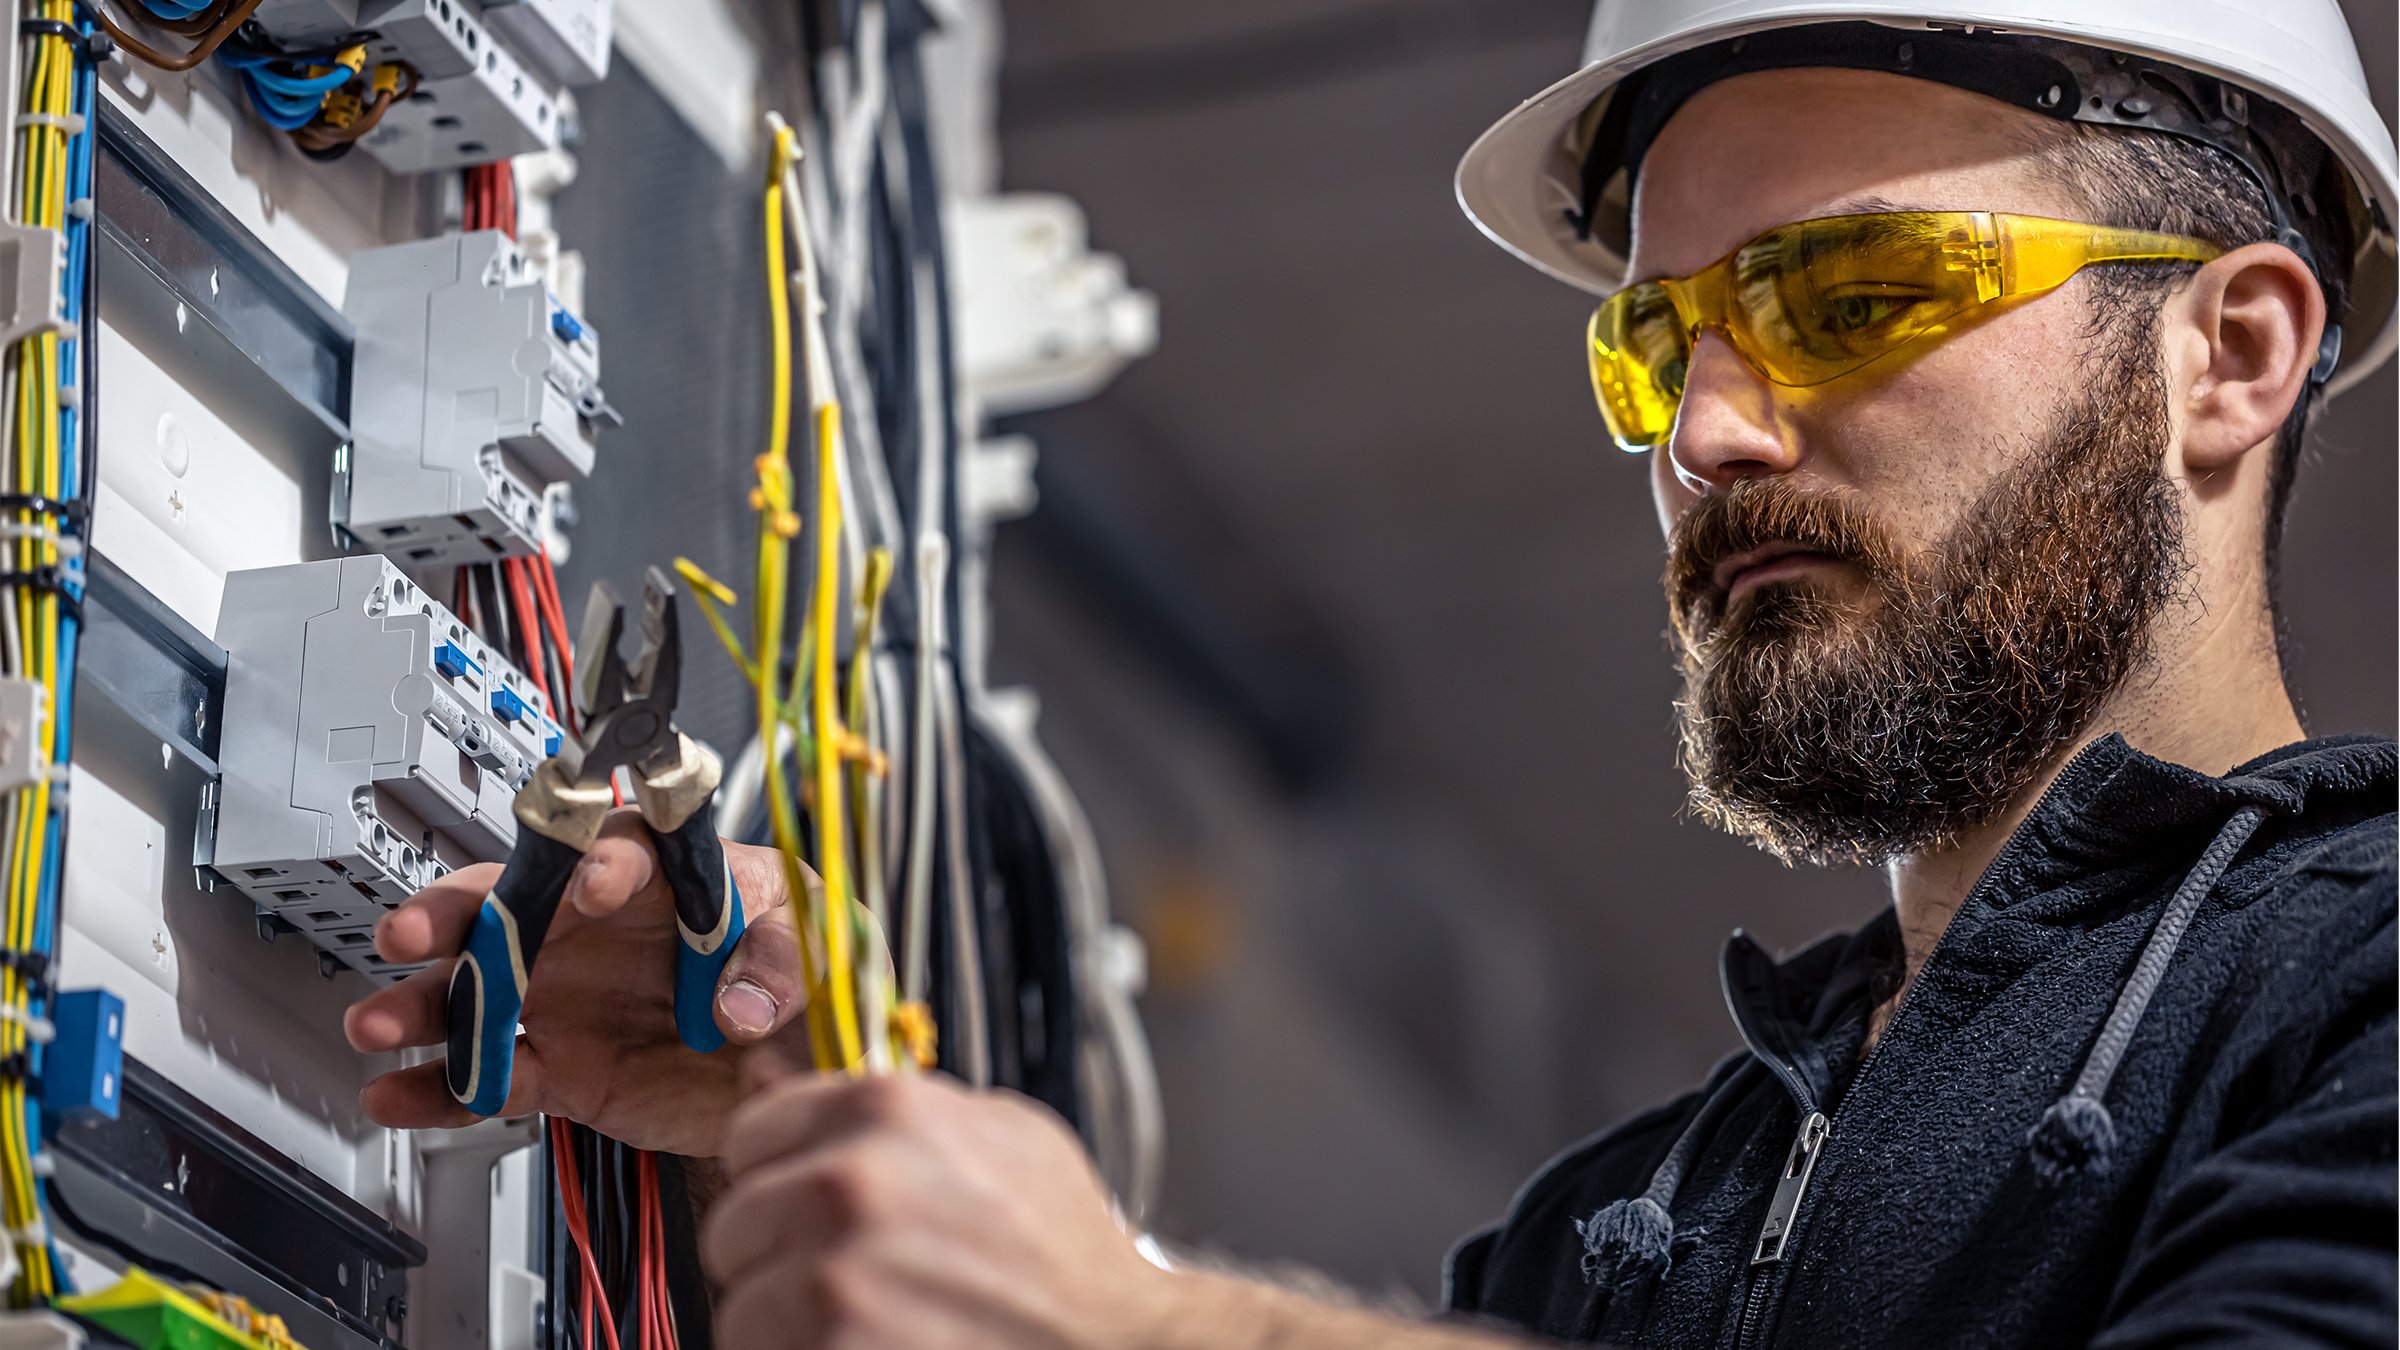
column 833, row 863
column 776, row 525
column 38, row 468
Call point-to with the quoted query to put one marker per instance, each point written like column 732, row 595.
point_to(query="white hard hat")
column 1528, row 181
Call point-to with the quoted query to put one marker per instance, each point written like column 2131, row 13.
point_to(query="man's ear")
column 2256, row 317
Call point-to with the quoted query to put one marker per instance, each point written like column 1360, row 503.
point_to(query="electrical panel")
column 371, row 742
column 475, row 391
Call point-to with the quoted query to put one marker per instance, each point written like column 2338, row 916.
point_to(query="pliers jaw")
column 628, row 708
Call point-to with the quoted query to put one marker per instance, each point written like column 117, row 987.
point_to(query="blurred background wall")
column 1346, row 622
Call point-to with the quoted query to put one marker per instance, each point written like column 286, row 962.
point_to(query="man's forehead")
column 1755, row 151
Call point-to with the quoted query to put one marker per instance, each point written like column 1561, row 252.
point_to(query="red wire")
column 521, row 600
column 545, row 591
column 533, row 592
column 570, row 1194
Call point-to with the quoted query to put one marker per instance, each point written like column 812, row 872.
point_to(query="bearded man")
column 1971, row 369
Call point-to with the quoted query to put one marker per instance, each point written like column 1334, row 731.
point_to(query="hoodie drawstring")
column 2077, row 1133
column 1630, row 1240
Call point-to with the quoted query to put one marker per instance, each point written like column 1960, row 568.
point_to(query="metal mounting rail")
column 144, row 658
column 211, row 302
column 175, row 1185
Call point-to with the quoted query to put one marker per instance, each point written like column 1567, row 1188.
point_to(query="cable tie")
column 53, row 580
column 37, row 1028
column 44, row 1165
column 74, row 510
column 35, row 1234
column 68, row 546
column 95, row 46
column 33, row 967
column 80, row 208
column 70, row 123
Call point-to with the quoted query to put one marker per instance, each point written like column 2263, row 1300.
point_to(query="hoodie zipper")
column 1816, row 1128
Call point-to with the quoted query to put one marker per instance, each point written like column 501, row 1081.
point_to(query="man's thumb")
column 760, row 989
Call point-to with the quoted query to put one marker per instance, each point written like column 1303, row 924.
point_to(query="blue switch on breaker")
column 507, row 706
column 84, row 1064
column 453, row 663
column 567, row 326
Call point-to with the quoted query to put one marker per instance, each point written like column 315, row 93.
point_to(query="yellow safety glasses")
column 1815, row 299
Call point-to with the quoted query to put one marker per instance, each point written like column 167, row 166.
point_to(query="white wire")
column 970, row 1028
column 1113, row 1045
column 924, row 772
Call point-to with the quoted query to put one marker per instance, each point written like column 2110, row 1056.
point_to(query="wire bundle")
column 325, row 100
column 45, row 453
column 857, row 1021
column 608, row 1193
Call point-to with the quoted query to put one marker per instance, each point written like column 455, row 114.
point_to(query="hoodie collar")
column 1804, row 1016
column 2112, row 802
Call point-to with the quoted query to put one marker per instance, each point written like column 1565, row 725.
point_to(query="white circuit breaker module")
column 475, row 390
column 370, row 743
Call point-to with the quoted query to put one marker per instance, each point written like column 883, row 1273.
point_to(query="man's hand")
column 599, row 1045
column 917, row 1214
column 903, row 1212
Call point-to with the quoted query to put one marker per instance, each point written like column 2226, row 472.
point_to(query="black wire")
column 497, row 630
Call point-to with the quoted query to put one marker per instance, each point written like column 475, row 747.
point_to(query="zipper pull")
column 1797, row 1169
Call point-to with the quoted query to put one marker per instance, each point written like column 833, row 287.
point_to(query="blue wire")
column 281, row 111
column 175, row 9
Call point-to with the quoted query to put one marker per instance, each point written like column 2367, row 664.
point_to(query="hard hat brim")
column 1520, row 181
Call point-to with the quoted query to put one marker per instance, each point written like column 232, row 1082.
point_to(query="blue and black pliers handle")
column 629, row 722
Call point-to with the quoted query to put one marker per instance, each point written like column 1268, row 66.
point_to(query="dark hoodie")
column 2141, row 1094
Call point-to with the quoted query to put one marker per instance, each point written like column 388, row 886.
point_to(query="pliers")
column 629, row 721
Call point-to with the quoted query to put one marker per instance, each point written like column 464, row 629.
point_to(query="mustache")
column 1752, row 513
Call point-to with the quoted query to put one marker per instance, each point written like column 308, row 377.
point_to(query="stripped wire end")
column 709, row 593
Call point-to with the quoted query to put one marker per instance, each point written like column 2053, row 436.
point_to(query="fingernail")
column 746, row 1006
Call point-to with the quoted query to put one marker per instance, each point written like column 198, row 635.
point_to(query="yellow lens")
column 1638, row 354
column 1821, row 298
column 1811, row 301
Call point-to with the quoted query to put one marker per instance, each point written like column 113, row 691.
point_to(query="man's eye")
column 1861, row 310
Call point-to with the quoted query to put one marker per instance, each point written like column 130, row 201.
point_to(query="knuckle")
column 883, row 1101
column 845, row 1192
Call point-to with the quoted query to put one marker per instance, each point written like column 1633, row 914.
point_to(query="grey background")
column 1347, row 625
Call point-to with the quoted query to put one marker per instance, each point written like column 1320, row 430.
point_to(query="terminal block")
column 474, row 104
column 474, row 390
column 370, row 743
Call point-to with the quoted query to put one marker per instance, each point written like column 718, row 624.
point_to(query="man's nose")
column 1727, row 427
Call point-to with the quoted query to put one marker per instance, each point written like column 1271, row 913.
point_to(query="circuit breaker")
column 370, row 743
column 475, row 390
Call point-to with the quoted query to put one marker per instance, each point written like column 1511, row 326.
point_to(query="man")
column 1970, row 428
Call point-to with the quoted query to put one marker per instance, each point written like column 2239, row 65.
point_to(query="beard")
column 1834, row 729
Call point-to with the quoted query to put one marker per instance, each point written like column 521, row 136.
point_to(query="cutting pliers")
column 629, row 722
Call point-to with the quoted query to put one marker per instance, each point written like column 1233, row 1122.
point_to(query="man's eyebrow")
column 1870, row 204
